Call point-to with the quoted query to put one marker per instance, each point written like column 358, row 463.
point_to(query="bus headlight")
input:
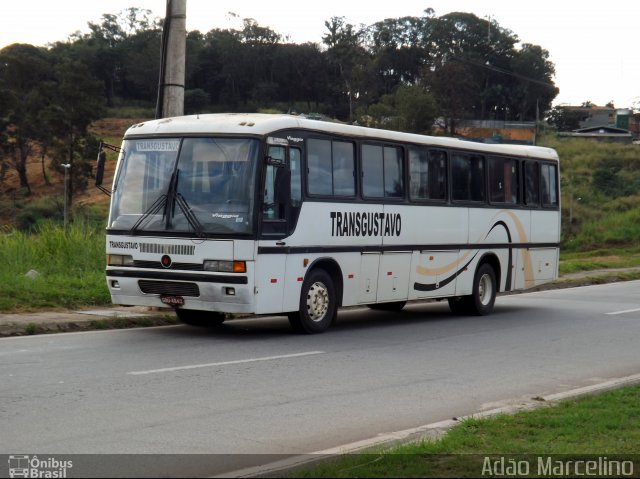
column 217, row 266
column 119, row 260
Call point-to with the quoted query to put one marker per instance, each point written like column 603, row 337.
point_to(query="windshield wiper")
column 158, row 205
column 173, row 196
column 165, row 203
column 188, row 213
column 155, row 208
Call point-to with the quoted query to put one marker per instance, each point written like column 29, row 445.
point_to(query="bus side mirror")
column 102, row 158
column 278, row 163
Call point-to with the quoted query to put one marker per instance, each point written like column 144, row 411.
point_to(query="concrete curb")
column 24, row 324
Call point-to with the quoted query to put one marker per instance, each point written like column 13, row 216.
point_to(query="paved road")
column 253, row 387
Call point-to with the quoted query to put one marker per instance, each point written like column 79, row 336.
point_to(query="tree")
column 108, row 51
column 76, row 101
column 565, row 119
column 349, row 59
column 409, row 108
column 398, row 49
column 24, row 70
column 456, row 89
column 533, row 88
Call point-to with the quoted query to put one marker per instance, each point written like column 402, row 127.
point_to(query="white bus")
column 279, row 214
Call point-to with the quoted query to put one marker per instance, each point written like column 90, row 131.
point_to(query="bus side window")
column 372, row 171
column 319, row 168
column 274, row 207
column 467, row 177
column 427, row 174
column 382, row 174
column 343, row 168
column 549, row 185
column 393, row 175
column 531, row 184
column 438, row 176
column 295, row 156
column 503, row 180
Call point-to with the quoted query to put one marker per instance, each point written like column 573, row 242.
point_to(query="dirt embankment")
column 49, row 183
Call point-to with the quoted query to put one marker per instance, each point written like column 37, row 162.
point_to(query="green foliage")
column 254, row 67
column 564, row 119
column 70, row 265
column 36, row 212
column 196, row 101
column 600, row 193
column 409, row 108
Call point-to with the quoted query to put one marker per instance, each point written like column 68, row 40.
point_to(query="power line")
column 502, row 70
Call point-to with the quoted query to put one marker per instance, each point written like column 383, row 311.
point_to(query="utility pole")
column 66, row 167
column 172, row 63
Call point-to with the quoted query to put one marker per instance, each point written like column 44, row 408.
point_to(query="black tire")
column 194, row 317
column 318, row 304
column 392, row 306
column 484, row 291
column 459, row 304
column 480, row 302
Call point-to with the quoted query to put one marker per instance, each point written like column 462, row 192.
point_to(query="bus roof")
column 265, row 124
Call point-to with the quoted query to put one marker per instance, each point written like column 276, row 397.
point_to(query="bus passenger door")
column 280, row 205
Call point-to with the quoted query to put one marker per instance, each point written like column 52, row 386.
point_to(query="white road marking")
column 224, row 363
column 623, row 312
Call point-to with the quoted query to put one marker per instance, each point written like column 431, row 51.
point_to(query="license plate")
column 172, row 300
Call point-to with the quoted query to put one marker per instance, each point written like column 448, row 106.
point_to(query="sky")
column 593, row 44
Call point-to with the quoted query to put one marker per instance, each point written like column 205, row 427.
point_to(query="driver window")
column 274, row 208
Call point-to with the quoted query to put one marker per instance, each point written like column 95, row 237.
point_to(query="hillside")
column 13, row 200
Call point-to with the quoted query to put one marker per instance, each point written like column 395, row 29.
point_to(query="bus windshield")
column 198, row 185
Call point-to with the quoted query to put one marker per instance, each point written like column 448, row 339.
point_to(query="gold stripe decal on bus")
column 526, row 255
column 454, row 269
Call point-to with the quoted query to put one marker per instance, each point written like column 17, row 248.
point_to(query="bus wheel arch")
column 333, row 269
column 320, row 297
column 485, row 286
column 492, row 260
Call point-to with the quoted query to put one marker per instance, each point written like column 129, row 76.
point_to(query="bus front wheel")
column 318, row 304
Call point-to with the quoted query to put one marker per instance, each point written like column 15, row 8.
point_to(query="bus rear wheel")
column 194, row 317
column 484, row 290
column 318, row 304
column 482, row 299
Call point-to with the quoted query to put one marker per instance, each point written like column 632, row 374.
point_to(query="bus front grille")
column 169, row 287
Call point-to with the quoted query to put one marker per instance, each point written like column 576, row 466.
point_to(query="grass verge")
column 572, row 262
column 67, row 268
column 601, row 428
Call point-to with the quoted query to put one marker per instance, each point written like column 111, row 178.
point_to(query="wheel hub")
column 317, row 301
column 485, row 289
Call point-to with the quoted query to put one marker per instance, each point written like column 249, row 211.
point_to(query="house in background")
column 605, row 123
column 602, row 133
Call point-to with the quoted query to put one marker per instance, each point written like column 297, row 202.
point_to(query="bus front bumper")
column 207, row 292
